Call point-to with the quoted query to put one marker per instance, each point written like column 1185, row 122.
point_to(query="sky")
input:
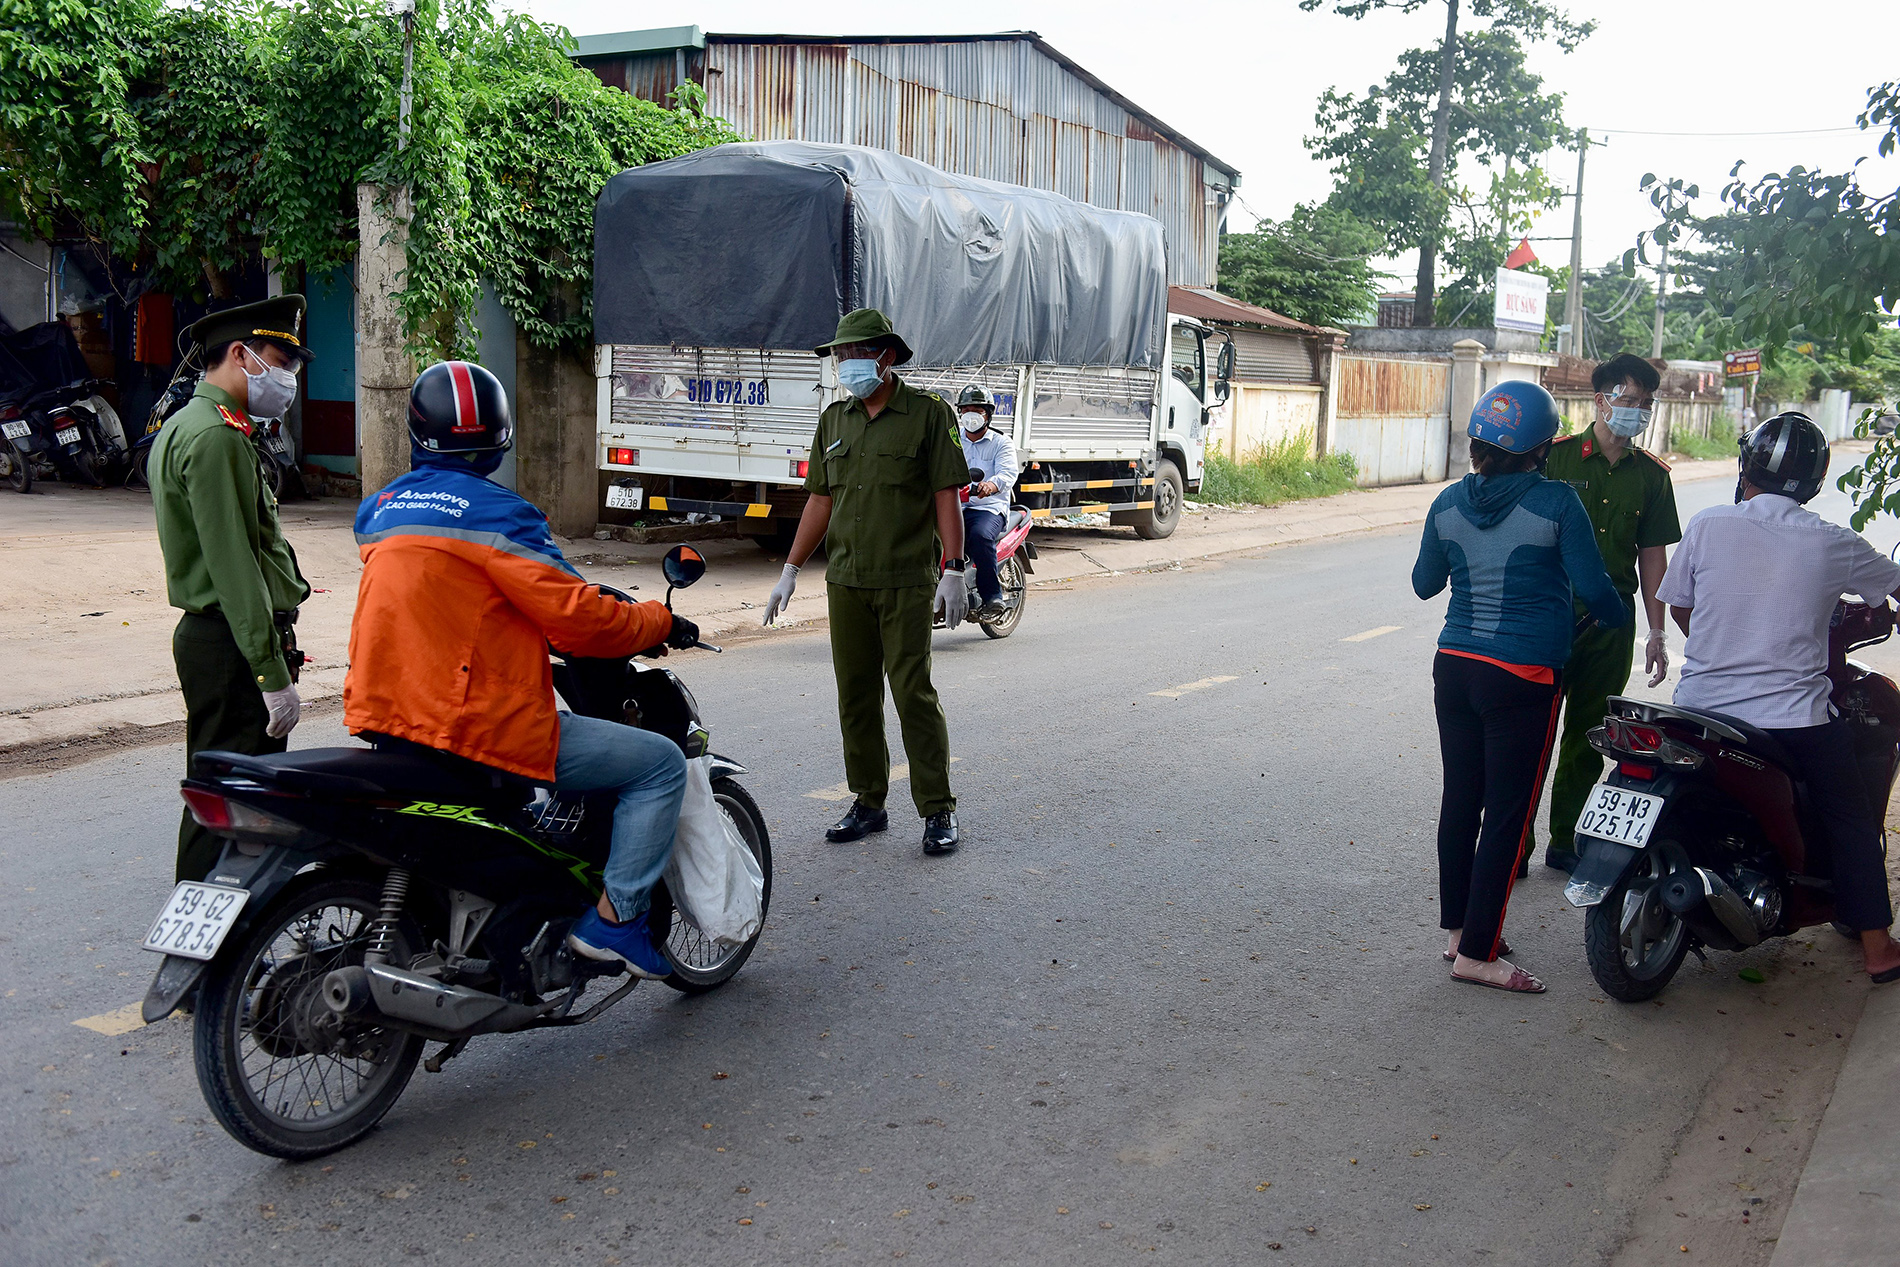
column 1241, row 78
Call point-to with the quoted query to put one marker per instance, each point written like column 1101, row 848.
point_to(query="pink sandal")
column 1521, row 982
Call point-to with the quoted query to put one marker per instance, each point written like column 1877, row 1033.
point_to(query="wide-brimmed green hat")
column 866, row 325
column 279, row 319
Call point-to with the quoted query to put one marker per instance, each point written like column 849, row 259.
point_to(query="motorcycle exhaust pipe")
column 1712, row 908
column 411, row 1001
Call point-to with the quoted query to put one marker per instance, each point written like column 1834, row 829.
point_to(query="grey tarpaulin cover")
column 765, row 244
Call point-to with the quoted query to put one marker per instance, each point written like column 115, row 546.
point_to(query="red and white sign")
column 1522, row 299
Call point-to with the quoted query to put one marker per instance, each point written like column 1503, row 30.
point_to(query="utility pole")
column 406, row 10
column 1573, row 301
column 1662, row 288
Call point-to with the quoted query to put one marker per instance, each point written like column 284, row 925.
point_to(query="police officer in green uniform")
column 885, row 468
column 1632, row 505
column 227, row 565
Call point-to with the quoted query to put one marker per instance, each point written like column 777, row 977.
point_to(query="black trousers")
column 1825, row 754
column 1495, row 731
column 224, row 709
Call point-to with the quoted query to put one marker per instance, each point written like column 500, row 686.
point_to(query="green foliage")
column 1720, row 443
column 1530, row 18
column 1619, row 310
column 1314, row 266
column 1379, row 144
column 1280, row 472
column 187, row 140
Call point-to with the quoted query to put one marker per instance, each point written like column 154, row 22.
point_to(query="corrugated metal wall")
column 998, row 109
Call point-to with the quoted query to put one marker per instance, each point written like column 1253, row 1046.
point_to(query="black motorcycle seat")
column 408, row 770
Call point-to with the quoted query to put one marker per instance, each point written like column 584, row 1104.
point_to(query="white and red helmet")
column 459, row 407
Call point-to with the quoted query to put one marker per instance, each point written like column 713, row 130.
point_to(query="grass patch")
column 1702, row 448
column 1281, row 472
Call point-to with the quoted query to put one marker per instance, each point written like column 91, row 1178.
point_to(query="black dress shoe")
column 1523, row 866
column 1564, row 860
column 940, row 833
column 860, row 822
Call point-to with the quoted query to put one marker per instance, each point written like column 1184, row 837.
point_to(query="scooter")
column 1702, row 834
column 22, row 447
column 371, row 900
column 1014, row 555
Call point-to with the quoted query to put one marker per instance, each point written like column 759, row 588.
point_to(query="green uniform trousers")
column 224, row 710
column 1599, row 667
column 879, row 633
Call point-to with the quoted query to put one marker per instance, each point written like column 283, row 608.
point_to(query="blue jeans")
column 981, row 528
column 649, row 773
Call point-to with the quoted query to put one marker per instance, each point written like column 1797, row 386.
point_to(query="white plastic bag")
column 715, row 881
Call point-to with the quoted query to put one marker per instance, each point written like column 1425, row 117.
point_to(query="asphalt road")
column 1179, row 994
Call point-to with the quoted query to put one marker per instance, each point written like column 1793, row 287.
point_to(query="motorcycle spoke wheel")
column 279, row 1070
column 699, row 962
column 16, row 468
column 1015, row 583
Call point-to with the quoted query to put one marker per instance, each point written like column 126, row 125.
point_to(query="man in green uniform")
column 1632, row 505
column 227, row 565
column 885, row 468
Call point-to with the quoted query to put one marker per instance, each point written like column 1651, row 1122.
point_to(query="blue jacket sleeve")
column 1583, row 563
column 1432, row 572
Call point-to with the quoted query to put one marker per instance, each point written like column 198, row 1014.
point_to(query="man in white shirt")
column 994, row 454
column 1762, row 578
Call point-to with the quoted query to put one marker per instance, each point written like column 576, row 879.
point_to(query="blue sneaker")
column 630, row 943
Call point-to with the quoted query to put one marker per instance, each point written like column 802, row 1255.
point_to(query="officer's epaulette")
column 1575, row 435
column 234, row 420
column 1652, row 457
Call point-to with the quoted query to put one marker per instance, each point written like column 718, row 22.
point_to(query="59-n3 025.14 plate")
column 1616, row 813
column 195, row 920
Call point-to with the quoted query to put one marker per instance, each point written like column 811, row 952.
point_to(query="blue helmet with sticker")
column 1516, row 416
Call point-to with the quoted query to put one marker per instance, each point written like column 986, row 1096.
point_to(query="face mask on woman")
column 268, row 393
column 860, row 376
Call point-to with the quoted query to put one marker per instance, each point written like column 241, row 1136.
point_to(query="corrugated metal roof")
column 1204, row 304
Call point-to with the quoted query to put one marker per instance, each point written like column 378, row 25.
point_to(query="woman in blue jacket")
column 1514, row 547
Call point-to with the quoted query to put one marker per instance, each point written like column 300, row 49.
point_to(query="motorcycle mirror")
column 682, row 566
column 976, row 475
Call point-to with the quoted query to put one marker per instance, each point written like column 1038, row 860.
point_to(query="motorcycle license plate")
column 15, row 430
column 67, row 435
column 1616, row 813
column 195, row 920
column 625, row 496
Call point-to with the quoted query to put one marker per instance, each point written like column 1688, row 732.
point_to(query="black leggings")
column 1825, row 754
column 1494, row 733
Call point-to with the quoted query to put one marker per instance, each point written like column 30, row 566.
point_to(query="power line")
column 1791, row 132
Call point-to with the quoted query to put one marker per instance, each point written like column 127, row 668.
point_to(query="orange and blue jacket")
column 463, row 590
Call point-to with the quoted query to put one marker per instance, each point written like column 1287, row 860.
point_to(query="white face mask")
column 268, row 394
column 974, row 421
column 1627, row 421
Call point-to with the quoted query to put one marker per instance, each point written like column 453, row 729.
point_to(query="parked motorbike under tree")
column 372, row 900
column 1702, row 834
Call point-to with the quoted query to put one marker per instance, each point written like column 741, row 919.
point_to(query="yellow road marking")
column 842, row 791
column 1176, row 692
column 1370, row 634
column 122, row 1020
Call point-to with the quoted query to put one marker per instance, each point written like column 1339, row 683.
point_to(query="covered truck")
column 716, row 274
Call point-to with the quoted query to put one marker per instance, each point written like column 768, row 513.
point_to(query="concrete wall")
column 24, row 269
column 1258, row 415
column 1390, row 414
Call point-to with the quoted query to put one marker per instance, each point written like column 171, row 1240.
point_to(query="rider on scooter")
column 988, row 509
column 1762, row 578
column 463, row 590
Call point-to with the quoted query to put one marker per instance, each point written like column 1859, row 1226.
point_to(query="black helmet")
column 459, row 407
column 975, row 395
column 1785, row 455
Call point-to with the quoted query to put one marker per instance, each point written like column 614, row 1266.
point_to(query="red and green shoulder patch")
column 235, row 420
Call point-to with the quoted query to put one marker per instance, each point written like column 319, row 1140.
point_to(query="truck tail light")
column 801, row 469
column 623, row 457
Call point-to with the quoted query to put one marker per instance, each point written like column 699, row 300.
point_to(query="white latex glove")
column 953, row 599
column 781, row 593
column 1656, row 657
column 285, row 708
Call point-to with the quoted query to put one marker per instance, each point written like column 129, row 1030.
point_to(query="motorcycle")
column 1702, row 834
column 1014, row 553
column 371, row 900
column 183, row 383
column 21, row 447
column 77, row 434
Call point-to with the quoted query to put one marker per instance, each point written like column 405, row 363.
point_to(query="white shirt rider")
column 994, row 455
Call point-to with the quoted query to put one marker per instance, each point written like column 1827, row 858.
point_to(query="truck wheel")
column 1160, row 521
